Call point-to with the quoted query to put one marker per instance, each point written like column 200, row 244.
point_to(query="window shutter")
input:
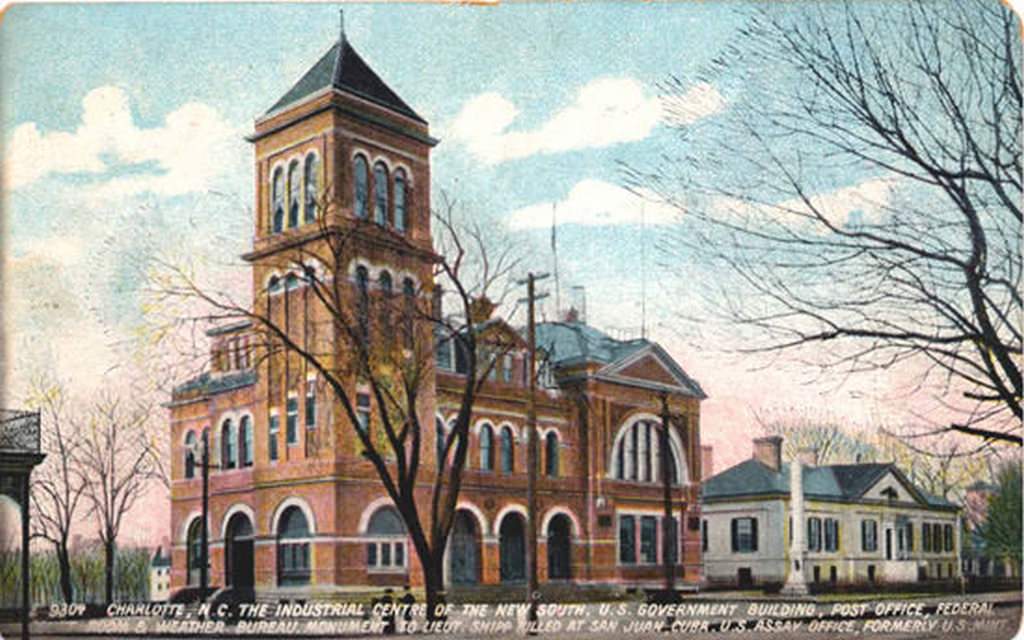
column 753, row 534
column 735, row 544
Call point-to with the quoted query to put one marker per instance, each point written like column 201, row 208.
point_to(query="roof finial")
column 341, row 25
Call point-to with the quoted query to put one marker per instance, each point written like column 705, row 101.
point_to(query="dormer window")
column 312, row 187
column 361, row 179
column 400, row 215
column 380, row 194
column 294, row 189
column 277, row 197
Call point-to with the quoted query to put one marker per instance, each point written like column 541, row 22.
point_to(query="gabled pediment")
column 893, row 486
column 651, row 367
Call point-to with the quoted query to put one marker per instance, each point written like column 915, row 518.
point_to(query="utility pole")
column 531, row 448
column 667, row 546
column 204, row 534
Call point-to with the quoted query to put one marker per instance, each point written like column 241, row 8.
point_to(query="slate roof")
column 568, row 343
column 343, row 68
column 207, row 384
column 573, row 343
column 835, row 482
column 159, row 559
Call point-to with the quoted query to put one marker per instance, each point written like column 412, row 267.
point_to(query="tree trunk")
column 108, row 556
column 64, row 563
column 433, row 581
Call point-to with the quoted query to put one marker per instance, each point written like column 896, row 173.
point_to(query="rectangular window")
column 506, row 368
column 926, row 536
column 704, row 536
column 272, row 431
column 831, row 534
column 627, row 540
column 744, row 535
column 648, row 539
column 814, row 534
column 910, row 536
column 948, row 535
column 385, row 555
column 869, row 535
column 311, row 404
column 363, row 411
column 371, row 554
column 292, row 424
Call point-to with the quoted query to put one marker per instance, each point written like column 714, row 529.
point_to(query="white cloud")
column 193, row 146
column 596, row 203
column 605, row 111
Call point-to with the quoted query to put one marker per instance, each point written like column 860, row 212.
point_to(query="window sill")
column 387, row 570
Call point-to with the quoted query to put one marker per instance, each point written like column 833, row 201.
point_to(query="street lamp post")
column 201, row 450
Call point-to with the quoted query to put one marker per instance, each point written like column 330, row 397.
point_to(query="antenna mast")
column 643, row 272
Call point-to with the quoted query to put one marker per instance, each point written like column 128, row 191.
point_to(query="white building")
column 862, row 523
column 159, row 576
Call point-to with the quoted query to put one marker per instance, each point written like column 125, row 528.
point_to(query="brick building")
column 294, row 507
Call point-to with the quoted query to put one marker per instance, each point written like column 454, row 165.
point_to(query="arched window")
column 190, row 455
column 486, row 447
column 386, row 548
column 361, row 180
column 228, row 444
column 637, row 455
column 245, row 442
column 439, row 435
column 194, row 550
column 291, row 282
column 408, row 311
column 507, row 450
column 400, row 194
column 551, row 454
column 277, row 198
column 380, row 194
column 312, row 186
column 274, row 285
column 363, row 301
column 294, row 189
column 386, row 294
column 293, row 548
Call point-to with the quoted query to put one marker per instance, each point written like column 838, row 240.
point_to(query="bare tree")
column 116, row 454
column 862, row 191
column 328, row 321
column 58, row 486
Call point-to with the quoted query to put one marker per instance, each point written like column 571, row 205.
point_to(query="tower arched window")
column 312, row 182
column 361, row 186
column 274, row 285
column 245, row 442
column 293, row 548
column 486, row 447
column 291, row 282
column 400, row 200
column 551, row 454
column 408, row 311
column 294, row 189
column 228, row 445
column 277, row 200
column 380, row 194
column 363, row 301
column 507, row 450
column 190, row 455
column 386, row 294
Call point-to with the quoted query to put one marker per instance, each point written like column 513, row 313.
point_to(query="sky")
column 122, row 129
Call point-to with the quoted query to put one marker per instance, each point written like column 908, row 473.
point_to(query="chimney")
column 706, row 461
column 768, row 451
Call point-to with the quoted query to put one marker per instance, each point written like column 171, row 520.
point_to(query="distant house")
column 861, row 523
column 977, row 562
column 159, row 576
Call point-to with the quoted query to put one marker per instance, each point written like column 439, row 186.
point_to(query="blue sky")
column 123, row 128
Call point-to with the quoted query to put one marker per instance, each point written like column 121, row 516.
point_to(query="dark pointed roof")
column 342, row 68
column 838, row 481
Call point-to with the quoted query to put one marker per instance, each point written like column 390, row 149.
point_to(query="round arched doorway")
column 559, row 548
column 238, row 552
column 464, row 550
column 512, row 548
